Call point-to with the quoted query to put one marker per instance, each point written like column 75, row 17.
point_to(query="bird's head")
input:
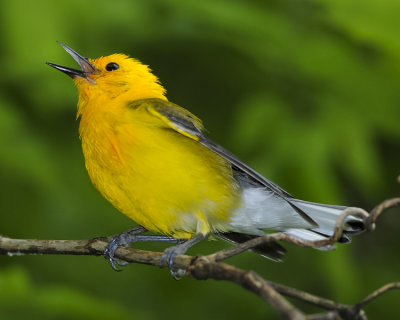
column 111, row 77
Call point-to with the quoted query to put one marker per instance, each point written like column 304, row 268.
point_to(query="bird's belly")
column 165, row 182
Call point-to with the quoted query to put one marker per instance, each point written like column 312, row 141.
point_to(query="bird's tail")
column 301, row 219
column 326, row 217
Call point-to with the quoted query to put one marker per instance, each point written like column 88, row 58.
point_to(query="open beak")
column 86, row 66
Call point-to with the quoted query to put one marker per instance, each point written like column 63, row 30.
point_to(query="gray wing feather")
column 186, row 123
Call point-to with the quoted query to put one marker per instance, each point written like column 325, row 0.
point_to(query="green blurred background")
column 307, row 92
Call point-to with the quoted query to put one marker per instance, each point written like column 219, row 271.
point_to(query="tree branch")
column 211, row 267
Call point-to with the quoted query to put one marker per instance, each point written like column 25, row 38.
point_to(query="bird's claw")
column 110, row 251
column 168, row 257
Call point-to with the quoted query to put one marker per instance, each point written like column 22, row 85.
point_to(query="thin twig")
column 377, row 293
column 93, row 247
column 376, row 212
column 210, row 267
column 203, row 269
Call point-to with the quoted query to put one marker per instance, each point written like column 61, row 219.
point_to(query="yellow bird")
column 151, row 160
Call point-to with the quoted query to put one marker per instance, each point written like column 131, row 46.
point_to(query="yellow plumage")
column 163, row 180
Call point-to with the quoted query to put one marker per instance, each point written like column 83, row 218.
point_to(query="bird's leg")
column 128, row 237
column 170, row 254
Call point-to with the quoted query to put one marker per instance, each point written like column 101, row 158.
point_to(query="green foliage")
column 307, row 92
column 20, row 297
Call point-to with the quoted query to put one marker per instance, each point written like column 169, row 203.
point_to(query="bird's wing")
column 176, row 117
column 182, row 121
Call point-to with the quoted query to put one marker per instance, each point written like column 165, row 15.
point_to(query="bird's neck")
column 106, row 108
column 92, row 100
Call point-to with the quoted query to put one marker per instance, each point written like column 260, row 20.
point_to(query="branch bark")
column 211, row 267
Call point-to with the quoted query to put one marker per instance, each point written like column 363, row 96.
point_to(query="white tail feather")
column 261, row 209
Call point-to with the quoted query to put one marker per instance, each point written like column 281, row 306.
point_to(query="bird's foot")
column 171, row 253
column 169, row 256
column 125, row 239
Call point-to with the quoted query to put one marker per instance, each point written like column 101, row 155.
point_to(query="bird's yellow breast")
column 161, row 179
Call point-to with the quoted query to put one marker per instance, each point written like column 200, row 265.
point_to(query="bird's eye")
column 112, row 66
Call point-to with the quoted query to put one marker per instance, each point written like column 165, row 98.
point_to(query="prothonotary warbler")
column 150, row 158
